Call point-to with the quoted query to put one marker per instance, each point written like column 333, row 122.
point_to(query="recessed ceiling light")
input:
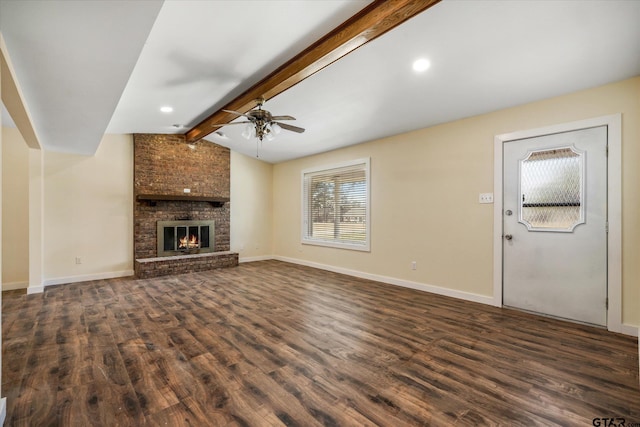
column 420, row 65
column 166, row 109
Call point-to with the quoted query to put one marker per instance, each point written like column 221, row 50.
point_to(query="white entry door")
column 555, row 225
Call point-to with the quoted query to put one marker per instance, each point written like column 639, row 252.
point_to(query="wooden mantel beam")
column 371, row 22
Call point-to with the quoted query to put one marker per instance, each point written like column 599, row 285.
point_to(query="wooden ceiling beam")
column 371, row 22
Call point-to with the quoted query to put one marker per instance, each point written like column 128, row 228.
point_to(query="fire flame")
column 188, row 243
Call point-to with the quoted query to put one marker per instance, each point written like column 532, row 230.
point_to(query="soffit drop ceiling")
column 72, row 60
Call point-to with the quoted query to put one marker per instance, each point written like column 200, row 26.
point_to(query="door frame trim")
column 614, row 209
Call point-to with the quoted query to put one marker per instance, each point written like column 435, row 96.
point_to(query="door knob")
column 508, row 236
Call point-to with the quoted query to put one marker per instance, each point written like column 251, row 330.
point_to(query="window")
column 335, row 205
column 552, row 190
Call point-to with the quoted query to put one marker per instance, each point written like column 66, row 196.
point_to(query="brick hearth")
column 147, row 268
column 164, row 166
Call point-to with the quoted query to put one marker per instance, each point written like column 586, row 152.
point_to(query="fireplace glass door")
column 180, row 237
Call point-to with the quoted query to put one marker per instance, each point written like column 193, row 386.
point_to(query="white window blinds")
column 336, row 205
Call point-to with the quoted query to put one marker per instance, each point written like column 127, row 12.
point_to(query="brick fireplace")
column 176, row 184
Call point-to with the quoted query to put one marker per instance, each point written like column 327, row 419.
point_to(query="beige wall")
column 425, row 186
column 15, row 210
column 424, row 195
column 90, row 199
column 251, row 207
column 88, row 203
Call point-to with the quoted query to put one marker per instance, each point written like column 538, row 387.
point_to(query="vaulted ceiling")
column 86, row 68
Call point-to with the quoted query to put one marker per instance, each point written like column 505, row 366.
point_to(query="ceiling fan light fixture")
column 249, row 131
column 259, row 123
column 268, row 132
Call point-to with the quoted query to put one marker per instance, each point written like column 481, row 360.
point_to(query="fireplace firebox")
column 185, row 237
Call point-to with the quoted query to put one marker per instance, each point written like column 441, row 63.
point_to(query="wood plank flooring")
column 272, row 344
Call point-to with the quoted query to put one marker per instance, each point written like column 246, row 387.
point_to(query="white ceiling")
column 73, row 60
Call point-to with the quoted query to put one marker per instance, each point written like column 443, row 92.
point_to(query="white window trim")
column 367, row 168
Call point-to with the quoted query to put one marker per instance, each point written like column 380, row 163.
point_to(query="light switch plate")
column 485, row 198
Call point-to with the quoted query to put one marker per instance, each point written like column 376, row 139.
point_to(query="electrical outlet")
column 78, row 260
column 485, row 198
column 414, row 265
column 187, row 190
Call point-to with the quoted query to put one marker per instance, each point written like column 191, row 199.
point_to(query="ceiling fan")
column 261, row 123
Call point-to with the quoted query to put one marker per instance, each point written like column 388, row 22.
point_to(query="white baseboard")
column 629, row 330
column 12, row 286
column 468, row 296
column 255, row 258
column 3, row 410
column 79, row 278
column 35, row 290
column 625, row 329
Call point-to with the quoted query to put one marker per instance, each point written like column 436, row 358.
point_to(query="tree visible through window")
column 336, row 206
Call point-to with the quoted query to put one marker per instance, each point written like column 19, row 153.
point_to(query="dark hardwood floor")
column 270, row 344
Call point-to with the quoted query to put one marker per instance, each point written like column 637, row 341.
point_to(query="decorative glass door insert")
column 552, row 189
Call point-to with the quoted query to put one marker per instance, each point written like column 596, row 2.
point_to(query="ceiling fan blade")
column 237, row 113
column 282, row 118
column 227, row 124
column 291, row 128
